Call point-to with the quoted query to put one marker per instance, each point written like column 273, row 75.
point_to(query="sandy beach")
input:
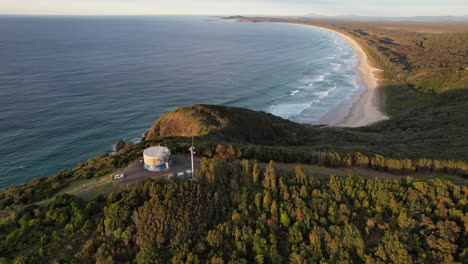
column 365, row 106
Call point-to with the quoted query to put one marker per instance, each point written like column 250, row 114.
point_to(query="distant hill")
column 234, row 17
column 373, row 18
column 358, row 18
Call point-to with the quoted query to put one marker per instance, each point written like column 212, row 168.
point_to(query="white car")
column 119, row 176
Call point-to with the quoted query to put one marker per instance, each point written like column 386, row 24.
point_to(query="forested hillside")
column 104, row 165
column 236, row 213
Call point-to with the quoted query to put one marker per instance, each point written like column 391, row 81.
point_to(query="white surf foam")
column 323, row 94
column 317, row 79
column 294, row 92
column 136, row 140
column 310, row 80
column 288, row 110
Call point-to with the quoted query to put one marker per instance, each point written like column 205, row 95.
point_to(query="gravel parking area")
column 136, row 171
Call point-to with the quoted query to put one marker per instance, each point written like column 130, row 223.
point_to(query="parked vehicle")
column 119, row 176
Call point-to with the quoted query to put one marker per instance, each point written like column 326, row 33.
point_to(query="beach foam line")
column 311, row 80
column 366, row 109
column 323, row 94
column 319, row 78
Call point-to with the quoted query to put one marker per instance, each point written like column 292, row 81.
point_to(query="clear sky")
column 234, row 7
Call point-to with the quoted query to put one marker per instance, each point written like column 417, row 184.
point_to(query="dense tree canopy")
column 235, row 213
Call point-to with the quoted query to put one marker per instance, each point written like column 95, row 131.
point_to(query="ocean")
column 70, row 87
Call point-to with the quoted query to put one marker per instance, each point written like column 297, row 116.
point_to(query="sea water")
column 72, row 86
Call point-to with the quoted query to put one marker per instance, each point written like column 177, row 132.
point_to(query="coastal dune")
column 365, row 107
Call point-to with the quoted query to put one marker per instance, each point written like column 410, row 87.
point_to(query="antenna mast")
column 192, row 148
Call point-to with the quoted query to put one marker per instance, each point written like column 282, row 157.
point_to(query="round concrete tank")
column 157, row 158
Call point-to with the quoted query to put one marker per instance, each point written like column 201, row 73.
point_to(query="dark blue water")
column 70, row 87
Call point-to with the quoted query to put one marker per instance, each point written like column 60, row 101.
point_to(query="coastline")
column 365, row 106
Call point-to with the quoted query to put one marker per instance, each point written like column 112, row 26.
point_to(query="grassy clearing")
column 94, row 188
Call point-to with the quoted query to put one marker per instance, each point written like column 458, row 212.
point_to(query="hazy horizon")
column 225, row 15
column 388, row 8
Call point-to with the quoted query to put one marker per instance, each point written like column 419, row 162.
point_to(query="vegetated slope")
column 43, row 189
column 227, row 124
column 426, row 85
column 417, row 134
column 425, row 81
column 427, row 61
column 236, row 212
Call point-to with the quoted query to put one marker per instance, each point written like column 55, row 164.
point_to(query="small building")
column 157, row 158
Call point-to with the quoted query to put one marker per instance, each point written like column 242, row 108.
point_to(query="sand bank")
column 365, row 106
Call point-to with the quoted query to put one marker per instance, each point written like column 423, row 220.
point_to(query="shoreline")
column 365, row 106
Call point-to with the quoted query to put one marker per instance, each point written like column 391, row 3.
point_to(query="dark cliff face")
column 226, row 123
